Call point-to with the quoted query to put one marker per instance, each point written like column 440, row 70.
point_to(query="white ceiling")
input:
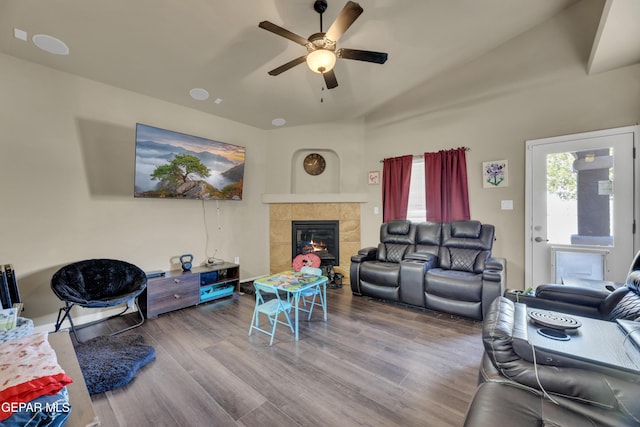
column 164, row 48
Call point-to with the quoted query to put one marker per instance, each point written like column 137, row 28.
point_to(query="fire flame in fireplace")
column 318, row 246
column 313, row 246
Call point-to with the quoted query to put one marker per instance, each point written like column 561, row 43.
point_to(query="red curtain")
column 396, row 176
column 447, row 194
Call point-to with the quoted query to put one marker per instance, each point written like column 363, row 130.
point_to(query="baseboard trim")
column 87, row 318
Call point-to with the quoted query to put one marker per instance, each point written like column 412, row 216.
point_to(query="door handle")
column 540, row 239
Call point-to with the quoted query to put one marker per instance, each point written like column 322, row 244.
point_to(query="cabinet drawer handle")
column 176, row 296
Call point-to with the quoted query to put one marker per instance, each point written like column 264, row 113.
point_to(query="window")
column 417, row 209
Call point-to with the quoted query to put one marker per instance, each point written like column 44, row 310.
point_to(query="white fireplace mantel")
column 315, row 198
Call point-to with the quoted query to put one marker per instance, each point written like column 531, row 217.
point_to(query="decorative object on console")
column 109, row 362
column 308, row 260
column 186, row 261
column 175, row 165
column 314, row 164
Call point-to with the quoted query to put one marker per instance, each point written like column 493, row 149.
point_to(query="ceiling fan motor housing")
column 320, row 6
column 319, row 41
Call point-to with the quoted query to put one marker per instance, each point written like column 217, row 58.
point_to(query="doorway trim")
column 528, row 229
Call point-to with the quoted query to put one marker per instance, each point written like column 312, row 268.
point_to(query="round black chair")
column 98, row 283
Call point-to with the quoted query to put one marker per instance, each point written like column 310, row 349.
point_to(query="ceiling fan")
column 321, row 47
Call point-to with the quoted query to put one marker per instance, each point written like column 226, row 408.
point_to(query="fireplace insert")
column 319, row 237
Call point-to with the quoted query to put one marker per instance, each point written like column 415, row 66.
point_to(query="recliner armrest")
column 577, row 295
column 365, row 254
column 494, row 269
column 497, row 264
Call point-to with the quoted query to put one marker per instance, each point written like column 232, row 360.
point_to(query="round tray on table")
column 555, row 320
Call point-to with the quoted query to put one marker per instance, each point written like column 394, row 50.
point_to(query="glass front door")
column 580, row 202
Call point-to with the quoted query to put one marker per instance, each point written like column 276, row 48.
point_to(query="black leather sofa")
column 622, row 303
column 446, row 267
column 516, row 392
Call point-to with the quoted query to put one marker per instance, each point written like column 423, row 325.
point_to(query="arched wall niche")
column 326, row 182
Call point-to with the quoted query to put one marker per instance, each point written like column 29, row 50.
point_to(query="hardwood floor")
column 372, row 364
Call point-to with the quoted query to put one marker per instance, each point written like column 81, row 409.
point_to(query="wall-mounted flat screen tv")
column 174, row 165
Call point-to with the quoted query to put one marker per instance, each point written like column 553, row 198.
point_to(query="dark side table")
column 518, row 295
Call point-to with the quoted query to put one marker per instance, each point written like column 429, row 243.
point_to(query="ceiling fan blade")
column 347, row 16
column 288, row 65
column 269, row 26
column 330, row 79
column 362, row 55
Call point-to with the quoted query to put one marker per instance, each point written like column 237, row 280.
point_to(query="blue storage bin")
column 208, row 293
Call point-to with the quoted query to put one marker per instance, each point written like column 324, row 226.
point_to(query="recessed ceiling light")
column 19, row 34
column 199, row 94
column 50, row 44
column 278, row 122
column 218, row 101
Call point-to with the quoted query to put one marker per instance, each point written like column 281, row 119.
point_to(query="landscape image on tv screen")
column 174, row 165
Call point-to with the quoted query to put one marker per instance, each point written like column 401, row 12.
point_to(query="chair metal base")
column 67, row 315
column 314, row 293
column 271, row 309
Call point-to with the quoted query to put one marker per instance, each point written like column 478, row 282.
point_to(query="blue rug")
column 110, row 362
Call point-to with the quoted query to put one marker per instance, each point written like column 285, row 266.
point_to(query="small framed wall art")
column 374, row 177
column 495, row 174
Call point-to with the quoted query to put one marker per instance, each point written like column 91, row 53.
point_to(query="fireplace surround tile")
column 280, row 211
column 281, row 215
column 280, row 232
column 350, row 229
column 349, row 211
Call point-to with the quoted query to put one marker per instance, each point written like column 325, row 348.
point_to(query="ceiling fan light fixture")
column 321, row 60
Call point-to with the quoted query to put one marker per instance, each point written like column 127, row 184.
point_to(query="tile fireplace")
column 281, row 216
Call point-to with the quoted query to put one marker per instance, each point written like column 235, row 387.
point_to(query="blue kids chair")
column 271, row 309
column 313, row 292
